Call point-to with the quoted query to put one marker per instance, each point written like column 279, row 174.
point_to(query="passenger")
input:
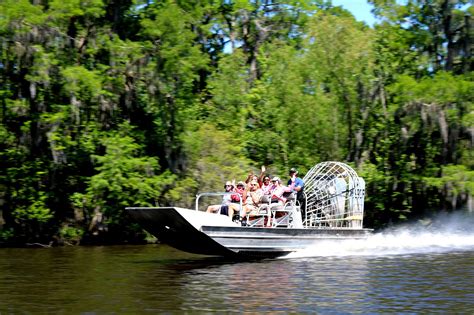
column 298, row 188
column 262, row 176
column 266, row 185
column 277, row 190
column 240, row 193
column 239, row 197
column 226, row 207
column 252, row 199
column 252, row 177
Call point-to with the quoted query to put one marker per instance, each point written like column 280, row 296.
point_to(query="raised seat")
column 283, row 216
column 274, row 213
column 262, row 215
column 258, row 218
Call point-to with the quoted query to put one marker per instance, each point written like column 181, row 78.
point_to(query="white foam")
column 445, row 233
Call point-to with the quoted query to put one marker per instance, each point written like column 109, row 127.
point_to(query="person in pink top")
column 266, row 185
column 277, row 190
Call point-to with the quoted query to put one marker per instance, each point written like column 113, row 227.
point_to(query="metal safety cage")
column 334, row 196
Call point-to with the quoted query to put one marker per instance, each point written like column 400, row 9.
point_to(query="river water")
column 406, row 270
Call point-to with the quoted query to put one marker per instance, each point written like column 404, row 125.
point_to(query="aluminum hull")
column 211, row 234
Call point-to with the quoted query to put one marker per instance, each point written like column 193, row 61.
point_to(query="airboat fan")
column 334, row 196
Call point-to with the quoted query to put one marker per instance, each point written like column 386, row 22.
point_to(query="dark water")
column 427, row 269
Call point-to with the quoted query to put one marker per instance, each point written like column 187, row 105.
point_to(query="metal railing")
column 198, row 196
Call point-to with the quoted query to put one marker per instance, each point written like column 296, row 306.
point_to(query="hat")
column 241, row 184
column 276, row 178
column 293, row 170
column 228, row 183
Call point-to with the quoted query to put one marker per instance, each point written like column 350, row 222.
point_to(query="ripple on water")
column 139, row 279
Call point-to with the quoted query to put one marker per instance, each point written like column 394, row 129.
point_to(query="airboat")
column 333, row 210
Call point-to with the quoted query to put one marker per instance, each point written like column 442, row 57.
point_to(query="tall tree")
column 441, row 29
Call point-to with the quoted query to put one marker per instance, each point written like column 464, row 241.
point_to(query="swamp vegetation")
column 112, row 103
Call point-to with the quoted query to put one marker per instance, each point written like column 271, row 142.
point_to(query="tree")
column 440, row 30
column 124, row 178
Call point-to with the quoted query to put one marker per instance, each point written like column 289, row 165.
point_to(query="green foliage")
column 71, row 235
column 456, row 180
column 36, row 211
column 437, row 32
column 376, row 181
column 65, row 9
column 84, row 83
column 105, row 105
column 122, row 179
column 21, row 10
column 216, row 160
column 6, row 235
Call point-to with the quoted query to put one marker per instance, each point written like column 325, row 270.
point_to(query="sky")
column 359, row 8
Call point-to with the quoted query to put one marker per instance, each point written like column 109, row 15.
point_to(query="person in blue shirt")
column 298, row 188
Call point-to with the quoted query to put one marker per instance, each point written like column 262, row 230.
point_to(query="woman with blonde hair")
column 252, row 199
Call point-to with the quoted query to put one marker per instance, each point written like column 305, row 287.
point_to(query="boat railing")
column 215, row 194
column 275, row 213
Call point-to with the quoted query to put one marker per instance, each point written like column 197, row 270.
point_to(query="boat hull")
column 212, row 234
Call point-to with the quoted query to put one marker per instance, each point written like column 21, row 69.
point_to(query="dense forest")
column 113, row 103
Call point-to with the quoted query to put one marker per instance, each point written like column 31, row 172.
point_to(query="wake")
column 444, row 233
